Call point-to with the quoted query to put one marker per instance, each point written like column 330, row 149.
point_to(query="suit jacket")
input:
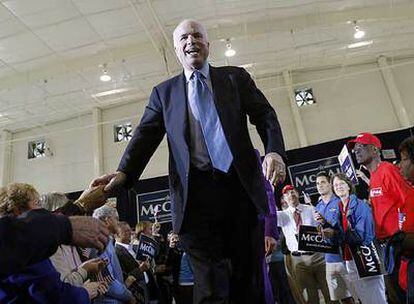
column 128, row 263
column 236, row 97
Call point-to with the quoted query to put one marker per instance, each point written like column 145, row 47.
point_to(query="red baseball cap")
column 287, row 188
column 365, row 139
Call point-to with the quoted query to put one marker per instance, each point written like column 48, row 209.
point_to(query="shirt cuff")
column 84, row 274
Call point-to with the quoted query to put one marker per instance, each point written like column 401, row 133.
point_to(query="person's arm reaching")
column 36, row 236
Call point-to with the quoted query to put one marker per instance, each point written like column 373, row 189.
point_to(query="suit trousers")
column 280, row 284
column 223, row 237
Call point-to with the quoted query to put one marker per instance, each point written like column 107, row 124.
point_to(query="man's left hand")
column 270, row 245
column 274, row 168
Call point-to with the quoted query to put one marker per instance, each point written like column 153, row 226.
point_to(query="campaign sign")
column 347, row 165
column 367, row 260
column 303, row 175
column 147, row 248
column 151, row 203
column 311, row 239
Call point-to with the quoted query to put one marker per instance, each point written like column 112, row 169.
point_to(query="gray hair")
column 202, row 28
column 53, row 200
column 104, row 212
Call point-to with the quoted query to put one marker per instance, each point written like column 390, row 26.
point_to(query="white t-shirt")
column 286, row 221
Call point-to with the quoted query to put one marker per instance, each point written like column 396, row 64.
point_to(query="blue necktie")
column 202, row 104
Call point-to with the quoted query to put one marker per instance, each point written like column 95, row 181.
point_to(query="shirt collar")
column 292, row 209
column 205, row 71
column 332, row 198
column 123, row 245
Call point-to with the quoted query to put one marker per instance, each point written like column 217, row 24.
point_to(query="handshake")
column 89, row 232
column 96, row 194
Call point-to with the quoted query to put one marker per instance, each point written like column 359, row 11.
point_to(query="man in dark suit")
column 216, row 186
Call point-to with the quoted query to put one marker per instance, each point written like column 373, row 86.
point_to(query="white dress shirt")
column 127, row 247
column 286, row 220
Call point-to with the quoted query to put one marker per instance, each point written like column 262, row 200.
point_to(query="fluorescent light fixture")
column 360, row 44
column 110, row 92
column 4, row 119
column 246, row 66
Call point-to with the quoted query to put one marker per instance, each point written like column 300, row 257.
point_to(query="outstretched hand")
column 110, row 181
column 88, row 232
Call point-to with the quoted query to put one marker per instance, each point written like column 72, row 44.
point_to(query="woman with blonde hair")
column 143, row 227
column 39, row 282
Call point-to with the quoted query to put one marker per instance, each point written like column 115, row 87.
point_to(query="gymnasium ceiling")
column 52, row 51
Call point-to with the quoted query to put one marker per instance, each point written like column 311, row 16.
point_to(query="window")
column 37, row 149
column 123, row 132
column 304, row 97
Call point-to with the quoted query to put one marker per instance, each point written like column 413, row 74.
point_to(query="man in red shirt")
column 391, row 196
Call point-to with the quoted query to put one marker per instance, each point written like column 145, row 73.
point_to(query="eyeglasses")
column 339, row 184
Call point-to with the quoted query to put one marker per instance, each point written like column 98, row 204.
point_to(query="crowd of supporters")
column 54, row 250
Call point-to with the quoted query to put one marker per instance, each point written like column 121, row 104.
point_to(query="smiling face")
column 341, row 187
column 323, row 185
column 364, row 153
column 191, row 44
column 291, row 197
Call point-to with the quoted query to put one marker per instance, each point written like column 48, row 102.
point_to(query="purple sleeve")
column 271, row 219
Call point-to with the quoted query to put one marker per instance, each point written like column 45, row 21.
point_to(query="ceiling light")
column 360, row 44
column 105, row 77
column 358, row 33
column 110, row 92
column 229, row 51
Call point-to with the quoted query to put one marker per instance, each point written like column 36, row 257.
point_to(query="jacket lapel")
column 179, row 97
column 222, row 96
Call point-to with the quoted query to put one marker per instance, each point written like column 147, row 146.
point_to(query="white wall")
column 404, row 77
column 348, row 105
column 113, row 151
column 349, row 100
column 71, row 166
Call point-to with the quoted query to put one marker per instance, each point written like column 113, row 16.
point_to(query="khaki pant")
column 292, row 280
column 310, row 274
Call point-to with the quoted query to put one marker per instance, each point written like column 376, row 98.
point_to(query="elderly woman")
column 356, row 226
column 39, row 282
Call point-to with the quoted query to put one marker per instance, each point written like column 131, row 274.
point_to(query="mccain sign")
column 150, row 202
column 303, row 175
